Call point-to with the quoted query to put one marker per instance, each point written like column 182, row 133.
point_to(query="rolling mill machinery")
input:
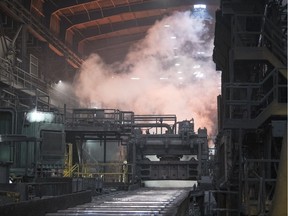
column 95, row 149
column 180, row 153
column 56, row 154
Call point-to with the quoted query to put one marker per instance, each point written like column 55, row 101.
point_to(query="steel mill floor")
column 144, row 201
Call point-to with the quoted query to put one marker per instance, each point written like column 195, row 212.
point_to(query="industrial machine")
column 55, row 154
column 179, row 153
column 96, row 149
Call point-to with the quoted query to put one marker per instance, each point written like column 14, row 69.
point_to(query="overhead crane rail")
column 16, row 9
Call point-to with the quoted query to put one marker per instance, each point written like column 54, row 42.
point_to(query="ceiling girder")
column 99, row 14
column 19, row 12
column 113, row 27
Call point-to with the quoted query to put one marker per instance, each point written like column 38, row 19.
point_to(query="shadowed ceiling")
column 77, row 28
column 107, row 27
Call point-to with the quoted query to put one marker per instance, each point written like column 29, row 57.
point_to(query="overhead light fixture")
column 173, row 37
column 198, row 74
column 37, row 116
column 200, row 53
column 179, row 72
column 199, row 6
column 135, row 78
column 177, row 64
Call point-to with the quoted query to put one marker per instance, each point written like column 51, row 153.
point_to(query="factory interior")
column 143, row 107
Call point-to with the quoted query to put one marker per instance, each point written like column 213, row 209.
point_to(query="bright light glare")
column 199, row 6
column 173, row 37
column 177, row 64
column 36, row 116
column 135, row 78
column 200, row 53
column 166, row 25
column 179, row 72
column 196, row 66
column 163, row 78
column 198, row 74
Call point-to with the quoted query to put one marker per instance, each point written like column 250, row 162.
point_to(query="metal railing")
column 271, row 36
column 256, row 99
column 99, row 117
column 69, row 172
column 109, row 172
column 21, row 80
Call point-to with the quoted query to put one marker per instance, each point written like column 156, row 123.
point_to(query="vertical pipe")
column 269, row 150
column 240, row 171
column 262, row 26
column 279, row 203
column 26, row 159
column 200, row 158
column 105, row 149
column 24, row 47
column 133, row 161
column 65, row 113
column 35, row 159
column 104, row 156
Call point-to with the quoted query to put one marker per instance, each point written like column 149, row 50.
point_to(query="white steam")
column 37, row 116
column 169, row 72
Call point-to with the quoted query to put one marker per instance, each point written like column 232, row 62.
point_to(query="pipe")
column 279, row 203
column 16, row 36
column 140, row 125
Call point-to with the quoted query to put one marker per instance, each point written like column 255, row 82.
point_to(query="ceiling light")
column 180, row 78
column 173, row 37
column 179, row 72
column 177, row 64
column 135, row 78
column 198, row 74
column 199, row 6
column 166, row 25
column 200, row 53
column 36, row 116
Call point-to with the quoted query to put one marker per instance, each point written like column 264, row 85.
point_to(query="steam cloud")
column 169, row 72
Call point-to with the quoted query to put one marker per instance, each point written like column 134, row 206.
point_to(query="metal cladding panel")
column 53, row 143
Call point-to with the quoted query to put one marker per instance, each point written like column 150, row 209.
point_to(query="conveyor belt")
column 145, row 201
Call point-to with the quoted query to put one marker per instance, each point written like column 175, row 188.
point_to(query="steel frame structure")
column 252, row 54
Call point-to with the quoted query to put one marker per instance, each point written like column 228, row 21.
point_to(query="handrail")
column 24, row 81
column 102, row 170
column 69, row 172
column 17, row 9
column 268, row 30
column 253, row 85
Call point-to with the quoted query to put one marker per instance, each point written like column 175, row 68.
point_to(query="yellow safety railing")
column 111, row 172
column 69, row 172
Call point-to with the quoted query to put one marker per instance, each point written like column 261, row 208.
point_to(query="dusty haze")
column 169, row 72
